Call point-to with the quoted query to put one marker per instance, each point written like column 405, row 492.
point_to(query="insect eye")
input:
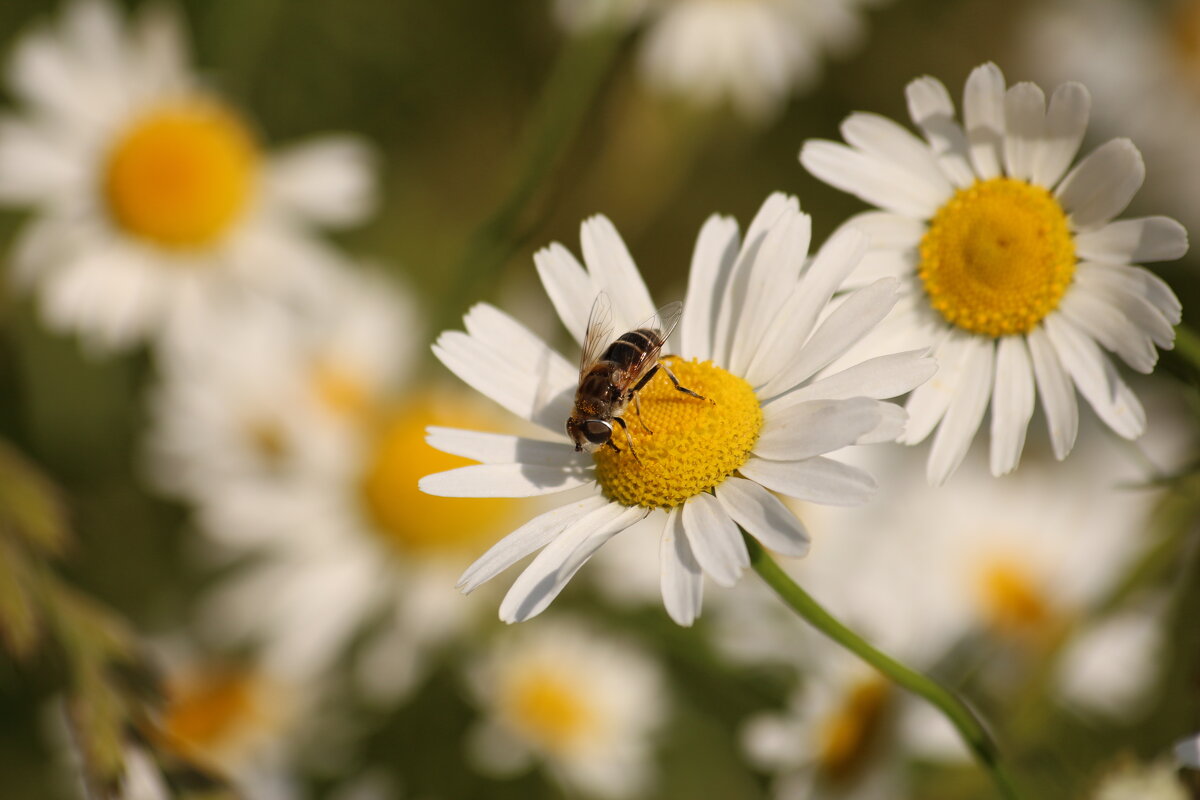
column 597, row 431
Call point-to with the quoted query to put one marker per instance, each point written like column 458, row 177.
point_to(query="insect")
column 612, row 371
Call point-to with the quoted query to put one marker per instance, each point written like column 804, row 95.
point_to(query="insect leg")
column 646, row 378
column 628, row 438
column 675, row 381
column 637, row 404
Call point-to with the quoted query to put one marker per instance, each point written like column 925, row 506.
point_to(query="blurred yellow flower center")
column 1012, row 599
column 182, row 175
column 207, row 710
column 413, row 522
column 548, row 709
column 339, row 389
column 847, row 734
column 997, row 257
column 694, row 444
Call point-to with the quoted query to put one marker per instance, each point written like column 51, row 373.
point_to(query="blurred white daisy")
column 1187, row 752
column 1015, row 270
column 1135, row 781
column 583, row 703
column 753, row 340
column 752, row 53
column 153, row 199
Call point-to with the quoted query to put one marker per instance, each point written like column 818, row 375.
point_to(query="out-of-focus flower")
column 1016, row 273
column 580, row 701
column 1187, row 752
column 155, row 201
column 752, row 341
column 752, row 53
column 1134, row 781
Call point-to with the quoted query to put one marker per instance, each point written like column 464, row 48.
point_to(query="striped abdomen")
column 632, row 348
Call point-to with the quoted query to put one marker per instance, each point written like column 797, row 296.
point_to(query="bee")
column 611, row 372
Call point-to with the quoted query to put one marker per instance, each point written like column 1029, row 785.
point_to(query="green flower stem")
column 968, row 725
column 1187, row 344
column 566, row 98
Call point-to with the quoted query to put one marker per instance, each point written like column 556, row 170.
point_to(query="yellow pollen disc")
column 847, row 734
column 182, row 175
column 208, row 709
column 413, row 522
column 997, row 257
column 1012, row 599
column 548, row 709
column 695, row 444
column 340, row 390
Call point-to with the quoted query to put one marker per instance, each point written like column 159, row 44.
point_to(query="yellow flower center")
column 181, row 175
column 847, row 734
column 548, row 709
column 694, row 444
column 413, row 522
column 1011, row 597
column 997, row 257
column 340, row 390
column 205, row 711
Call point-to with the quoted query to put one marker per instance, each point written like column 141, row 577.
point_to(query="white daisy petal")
column 559, row 560
column 499, row 448
column 568, row 286
column 816, row 480
column 881, row 377
column 713, row 259
column 1025, row 118
column 1057, row 392
column 929, row 401
column 1066, row 122
column 1102, row 184
column 878, row 136
column 764, row 517
column 887, row 230
column 682, row 578
column 1111, row 328
column 614, row 272
column 329, row 180
column 715, row 539
column 892, row 421
column 965, row 411
column 505, row 480
column 983, row 113
column 1127, row 240
column 529, row 538
column 888, row 186
column 1096, row 378
column 1139, row 311
column 1135, row 281
column 814, row 427
column 932, row 111
column 1013, row 398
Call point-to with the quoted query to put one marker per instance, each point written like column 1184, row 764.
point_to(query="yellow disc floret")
column 182, row 175
column 413, row 522
column 1011, row 597
column 846, row 735
column 694, row 444
column 549, row 709
column 997, row 257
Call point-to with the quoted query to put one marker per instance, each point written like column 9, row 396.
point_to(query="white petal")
column 1066, row 122
column 614, row 272
column 1106, row 324
column 1057, row 393
column 816, row 480
column 1102, row 184
column 34, row 164
column 712, row 261
column 764, row 517
column 500, row 448
column 1012, row 403
column 1128, row 240
column 329, row 180
column 880, row 377
column 857, row 314
column 530, row 537
column 892, row 421
column 929, row 401
column 884, row 185
column 504, row 480
column 568, row 286
column 559, row 560
column 884, row 139
column 983, row 114
column 1134, row 281
column 1096, row 378
column 682, row 578
column 814, row 427
column 965, row 412
column 932, row 111
column 887, row 230
column 1025, row 118
column 1187, row 752
column 805, row 302
column 1148, row 318
column 715, row 539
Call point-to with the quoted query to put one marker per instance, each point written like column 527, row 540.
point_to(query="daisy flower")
column 753, row 341
column 153, row 199
column 1158, row 780
column 1016, row 271
column 584, row 703
column 753, row 53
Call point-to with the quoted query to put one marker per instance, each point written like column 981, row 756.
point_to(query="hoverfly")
column 612, row 371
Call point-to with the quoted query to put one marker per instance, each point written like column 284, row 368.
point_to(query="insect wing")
column 663, row 322
column 598, row 334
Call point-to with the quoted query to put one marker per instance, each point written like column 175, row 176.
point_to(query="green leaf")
column 30, row 506
column 20, row 622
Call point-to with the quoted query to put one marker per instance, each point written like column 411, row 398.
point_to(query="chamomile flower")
column 153, row 199
column 1135, row 781
column 582, row 702
column 1016, row 271
column 753, row 341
